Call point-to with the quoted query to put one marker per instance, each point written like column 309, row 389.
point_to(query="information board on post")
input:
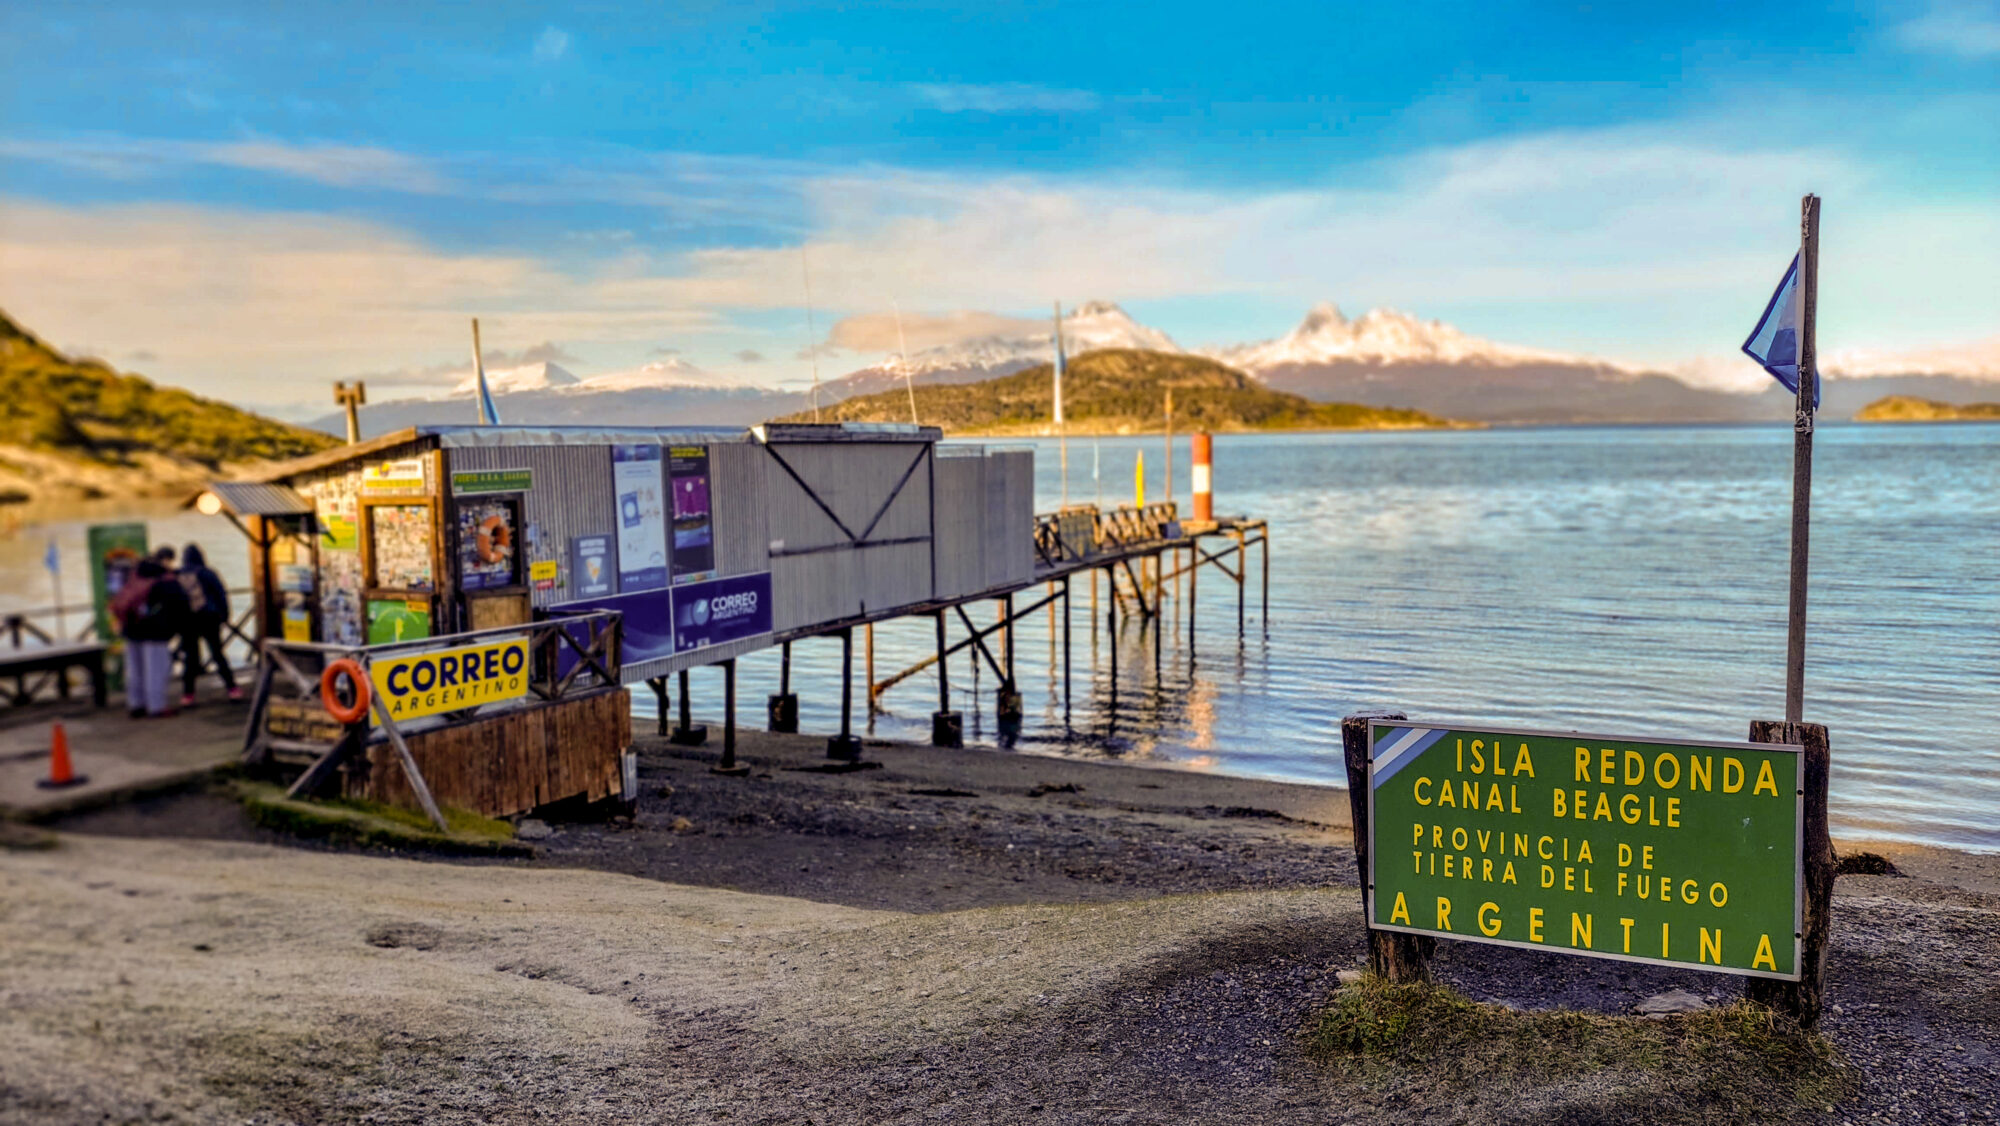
column 1644, row 850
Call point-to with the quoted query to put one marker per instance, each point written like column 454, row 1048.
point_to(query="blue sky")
column 255, row 199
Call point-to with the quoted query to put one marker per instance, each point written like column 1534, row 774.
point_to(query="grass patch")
column 375, row 825
column 1725, row 1064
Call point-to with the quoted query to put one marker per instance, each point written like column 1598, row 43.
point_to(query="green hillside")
column 76, row 427
column 1119, row 391
column 1909, row 408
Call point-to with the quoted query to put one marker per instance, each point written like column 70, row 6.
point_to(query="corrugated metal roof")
column 255, row 498
column 493, row 437
column 845, row 432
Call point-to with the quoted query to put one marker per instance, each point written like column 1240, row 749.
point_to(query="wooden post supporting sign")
column 1803, row 999
column 1392, row 956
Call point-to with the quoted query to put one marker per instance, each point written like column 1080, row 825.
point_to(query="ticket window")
column 491, row 573
column 399, row 568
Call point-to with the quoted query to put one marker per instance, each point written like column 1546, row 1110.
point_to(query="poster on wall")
column 642, row 517
column 394, row 619
column 721, row 610
column 694, row 526
column 403, row 475
column 399, row 535
column 115, row 551
column 591, row 566
column 487, row 552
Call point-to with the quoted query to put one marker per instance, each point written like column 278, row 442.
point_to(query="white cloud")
column 889, row 332
column 1005, row 98
column 268, row 307
column 551, row 44
column 1967, row 30
column 1639, row 243
column 344, row 166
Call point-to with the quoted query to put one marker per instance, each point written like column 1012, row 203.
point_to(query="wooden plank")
column 410, row 772
column 1401, row 959
column 1804, row 999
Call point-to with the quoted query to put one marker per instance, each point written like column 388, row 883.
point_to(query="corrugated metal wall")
column 961, row 521
column 1010, row 526
column 740, row 495
column 572, row 496
column 854, row 480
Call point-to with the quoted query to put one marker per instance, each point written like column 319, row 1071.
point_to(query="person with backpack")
column 151, row 610
column 208, row 609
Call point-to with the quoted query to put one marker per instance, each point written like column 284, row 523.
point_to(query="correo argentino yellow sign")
column 446, row 680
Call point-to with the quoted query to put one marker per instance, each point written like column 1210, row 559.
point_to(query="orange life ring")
column 329, row 694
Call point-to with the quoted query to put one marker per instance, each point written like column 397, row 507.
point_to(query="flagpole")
column 1802, row 451
column 1062, row 427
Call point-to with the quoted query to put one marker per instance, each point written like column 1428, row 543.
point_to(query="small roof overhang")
column 252, row 498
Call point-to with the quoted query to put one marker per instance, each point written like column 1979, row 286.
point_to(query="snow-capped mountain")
column 1089, row 327
column 673, row 372
column 542, row 376
column 1389, row 358
column 662, row 393
column 1382, row 336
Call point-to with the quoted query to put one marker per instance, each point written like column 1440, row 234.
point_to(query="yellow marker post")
column 1139, row 480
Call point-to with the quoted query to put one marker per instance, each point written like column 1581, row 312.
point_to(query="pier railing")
column 1083, row 531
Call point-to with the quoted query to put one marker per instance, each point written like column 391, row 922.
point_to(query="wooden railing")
column 568, row 654
column 24, row 632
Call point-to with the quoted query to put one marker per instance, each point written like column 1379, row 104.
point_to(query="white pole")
column 55, row 577
column 903, row 358
column 812, row 334
column 1062, row 427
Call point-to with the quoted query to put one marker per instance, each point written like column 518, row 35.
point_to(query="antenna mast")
column 903, row 359
column 812, row 334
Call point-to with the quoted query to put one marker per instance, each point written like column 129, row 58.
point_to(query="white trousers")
column 148, row 667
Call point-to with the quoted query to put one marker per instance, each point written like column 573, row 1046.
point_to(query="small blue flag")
column 1774, row 343
column 51, row 560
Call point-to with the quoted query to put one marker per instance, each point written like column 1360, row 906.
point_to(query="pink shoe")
column 187, row 701
column 235, row 693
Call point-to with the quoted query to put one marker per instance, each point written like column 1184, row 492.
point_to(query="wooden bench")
column 55, row 660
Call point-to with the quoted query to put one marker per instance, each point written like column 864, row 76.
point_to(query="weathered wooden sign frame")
column 1401, row 956
column 1541, row 820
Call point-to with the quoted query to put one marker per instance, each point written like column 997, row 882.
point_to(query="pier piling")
column 844, row 747
column 783, row 708
column 688, row 733
column 728, row 764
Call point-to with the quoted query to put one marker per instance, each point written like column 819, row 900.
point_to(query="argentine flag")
column 1774, row 343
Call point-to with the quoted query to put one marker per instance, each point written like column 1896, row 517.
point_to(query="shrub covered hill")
column 1118, row 391
column 75, row 429
column 1909, row 408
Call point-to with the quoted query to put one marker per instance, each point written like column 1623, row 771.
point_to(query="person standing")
column 208, row 610
column 151, row 609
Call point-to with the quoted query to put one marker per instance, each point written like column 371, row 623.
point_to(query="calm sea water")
column 1619, row 580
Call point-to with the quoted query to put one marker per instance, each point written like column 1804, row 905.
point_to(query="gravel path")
column 973, row 937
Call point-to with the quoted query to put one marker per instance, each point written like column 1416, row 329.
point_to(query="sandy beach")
column 954, row 936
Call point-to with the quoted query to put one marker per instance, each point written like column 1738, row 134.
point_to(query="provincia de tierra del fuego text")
column 1655, row 852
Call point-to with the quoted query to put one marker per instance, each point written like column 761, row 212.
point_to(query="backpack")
column 191, row 583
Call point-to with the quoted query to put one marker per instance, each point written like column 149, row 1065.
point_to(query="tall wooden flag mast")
column 1802, row 454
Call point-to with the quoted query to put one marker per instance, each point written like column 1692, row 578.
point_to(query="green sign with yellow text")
column 1657, row 851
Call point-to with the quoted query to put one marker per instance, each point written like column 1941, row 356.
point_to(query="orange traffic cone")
column 61, row 771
